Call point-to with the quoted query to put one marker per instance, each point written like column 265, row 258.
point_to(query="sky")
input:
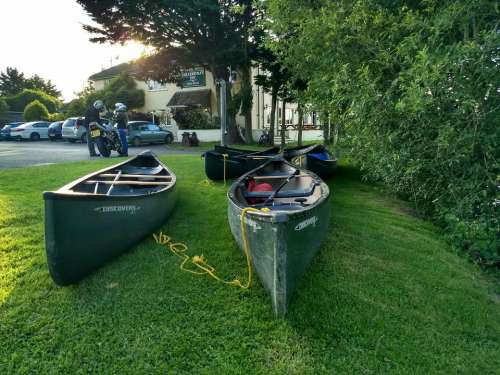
column 46, row 37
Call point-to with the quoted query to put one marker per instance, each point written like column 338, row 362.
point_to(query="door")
column 156, row 134
column 42, row 128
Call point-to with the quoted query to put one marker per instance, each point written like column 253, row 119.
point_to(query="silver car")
column 73, row 130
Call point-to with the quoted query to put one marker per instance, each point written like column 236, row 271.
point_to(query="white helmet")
column 99, row 104
column 120, row 107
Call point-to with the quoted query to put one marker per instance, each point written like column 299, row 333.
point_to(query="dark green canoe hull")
column 323, row 168
column 83, row 232
column 237, row 162
column 281, row 244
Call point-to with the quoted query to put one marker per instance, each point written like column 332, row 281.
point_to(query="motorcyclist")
column 121, row 119
column 93, row 115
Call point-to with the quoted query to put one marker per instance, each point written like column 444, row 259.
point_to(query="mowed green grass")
column 385, row 295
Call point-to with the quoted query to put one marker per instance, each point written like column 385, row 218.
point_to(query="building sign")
column 193, row 77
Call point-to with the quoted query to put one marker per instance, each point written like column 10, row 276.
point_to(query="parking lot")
column 26, row 153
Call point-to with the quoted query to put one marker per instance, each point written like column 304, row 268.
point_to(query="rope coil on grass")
column 179, row 249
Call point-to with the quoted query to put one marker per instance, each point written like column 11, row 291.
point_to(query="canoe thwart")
column 121, row 182
column 136, row 176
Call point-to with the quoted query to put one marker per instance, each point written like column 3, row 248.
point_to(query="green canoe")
column 234, row 162
column 97, row 217
column 287, row 230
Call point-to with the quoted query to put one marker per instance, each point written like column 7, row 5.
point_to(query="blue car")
column 55, row 130
column 5, row 132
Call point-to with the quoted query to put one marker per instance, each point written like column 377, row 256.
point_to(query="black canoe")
column 234, row 162
column 97, row 217
column 315, row 158
column 294, row 152
column 287, row 230
column 323, row 164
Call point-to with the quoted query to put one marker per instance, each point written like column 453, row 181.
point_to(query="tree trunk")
column 274, row 97
column 301, row 120
column 232, row 132
column 335, row 134
column 283, row 125
column 246, row 82
column 326, row 130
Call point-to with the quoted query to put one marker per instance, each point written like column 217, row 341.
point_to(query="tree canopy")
column 19, row 101
column 13, row 82
column 208, row 33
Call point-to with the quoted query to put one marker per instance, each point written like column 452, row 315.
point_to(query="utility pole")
column 223, row 106
column 223, row 112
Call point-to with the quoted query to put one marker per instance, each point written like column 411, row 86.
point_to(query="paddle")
column 289, row 178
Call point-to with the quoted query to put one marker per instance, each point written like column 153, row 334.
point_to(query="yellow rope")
column 200, row 262
column 225, row 156
column 206, row 182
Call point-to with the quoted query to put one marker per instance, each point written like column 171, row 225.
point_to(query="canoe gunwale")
column 278, row 215
column 67, row 192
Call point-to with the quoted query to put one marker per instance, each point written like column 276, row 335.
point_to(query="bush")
column 35, row 111
column 416, row 88
column 58, row 116
column 141, row 116
column 76, row 108
column 194, row 118
column 121, row 89
column 20, row 101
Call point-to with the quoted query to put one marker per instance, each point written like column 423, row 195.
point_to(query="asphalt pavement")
column 27, row 153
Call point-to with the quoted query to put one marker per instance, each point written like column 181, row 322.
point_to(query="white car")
column 31, row 130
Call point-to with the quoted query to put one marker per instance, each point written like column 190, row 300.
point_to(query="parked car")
column 34, row 131
column 7, row 128
column 73, row 130
column 146, row 132
column 55, row 130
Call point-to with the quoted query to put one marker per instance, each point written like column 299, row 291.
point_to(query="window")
column 156, row 86
column 152, row 127
column 69, row 123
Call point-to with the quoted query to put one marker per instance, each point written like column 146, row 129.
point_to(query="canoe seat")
column 297, row 193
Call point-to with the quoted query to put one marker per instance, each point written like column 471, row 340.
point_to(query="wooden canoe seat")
column 121, row 182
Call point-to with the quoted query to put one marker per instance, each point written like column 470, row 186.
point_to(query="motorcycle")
column 106, row 138
column 264, row 138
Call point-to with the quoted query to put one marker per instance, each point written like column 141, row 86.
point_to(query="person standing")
column 122, row 124
column 93, row 115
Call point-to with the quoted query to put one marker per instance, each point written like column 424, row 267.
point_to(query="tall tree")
column 11, row 82
column 38, row 83
column 205, row 33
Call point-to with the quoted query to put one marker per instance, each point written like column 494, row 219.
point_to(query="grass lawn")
column 385, row 295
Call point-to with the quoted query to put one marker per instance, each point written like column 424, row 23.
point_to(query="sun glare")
column 129, row 51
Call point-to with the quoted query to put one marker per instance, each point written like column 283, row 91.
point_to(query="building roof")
column 114, row 71
column 195, row 98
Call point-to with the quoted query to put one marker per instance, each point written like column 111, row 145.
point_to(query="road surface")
column 26, row 153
